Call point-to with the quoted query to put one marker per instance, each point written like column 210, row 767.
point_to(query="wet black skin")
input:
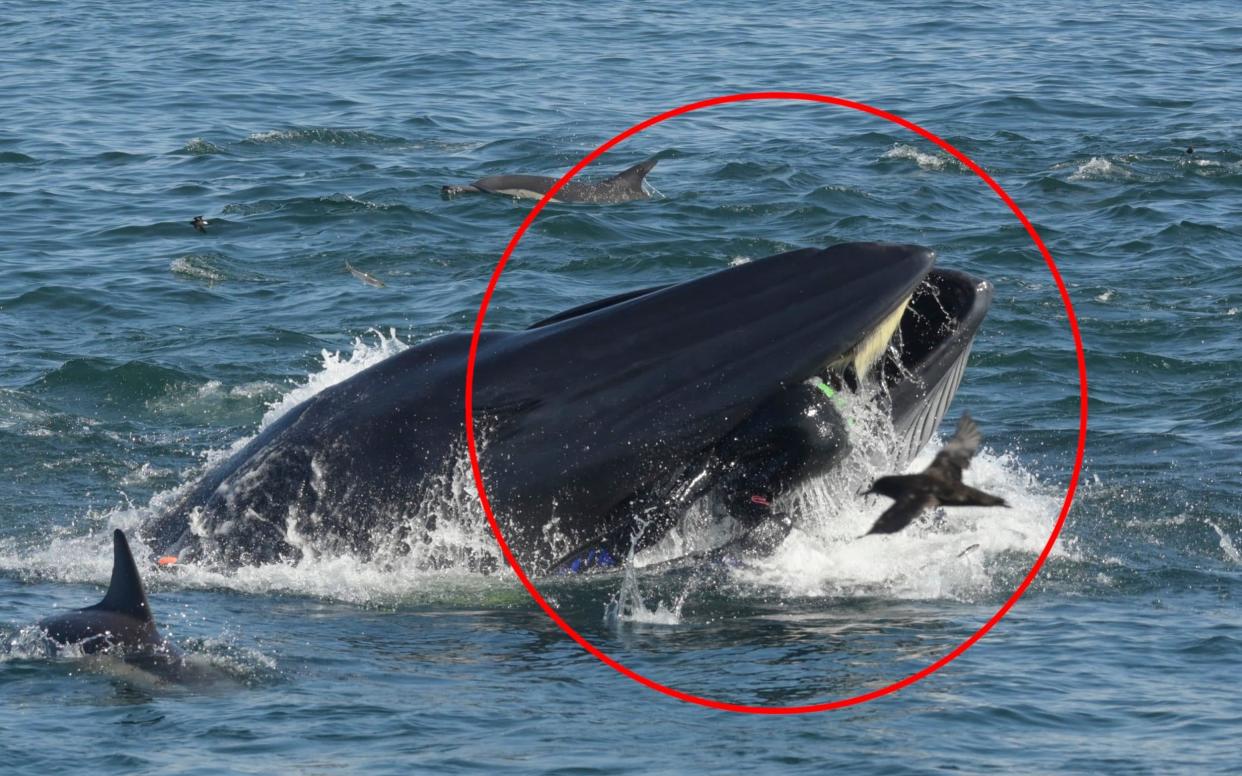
column 624, row 409
column 121, row 623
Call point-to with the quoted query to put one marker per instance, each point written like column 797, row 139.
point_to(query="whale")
column 625, row 186
column 600, row 426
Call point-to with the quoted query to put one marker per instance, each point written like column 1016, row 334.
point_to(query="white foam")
column 1226, row 543
column 925, row 161
column 144, row 473
column 196, row 267
column 82, row 553
column 335, row 369
column 954, row 555
column 1099, row 168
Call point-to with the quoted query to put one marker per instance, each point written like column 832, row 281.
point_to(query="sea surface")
column 134, row 351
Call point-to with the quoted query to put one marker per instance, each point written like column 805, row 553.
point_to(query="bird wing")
column 956, row 454
column 903, row 511
column 959, row 495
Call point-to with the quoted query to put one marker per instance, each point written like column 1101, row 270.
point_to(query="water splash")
column 1099, row 168
column 1226, row 543
column 925, row 161
column 628, row 606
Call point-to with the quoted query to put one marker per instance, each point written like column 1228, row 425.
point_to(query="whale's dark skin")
column 619, row 411
column 625, row 186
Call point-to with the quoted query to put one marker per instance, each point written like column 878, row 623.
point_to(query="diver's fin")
column 634, row 175
column 125, row 592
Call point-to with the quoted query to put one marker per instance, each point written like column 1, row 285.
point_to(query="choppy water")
column 135, row 349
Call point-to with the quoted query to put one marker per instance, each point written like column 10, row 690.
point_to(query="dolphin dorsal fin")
column 125, row 592
column 635, row 174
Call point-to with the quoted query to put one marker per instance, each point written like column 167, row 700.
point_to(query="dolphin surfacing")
column 625, row 186
column 121, row 624
column 620, row 412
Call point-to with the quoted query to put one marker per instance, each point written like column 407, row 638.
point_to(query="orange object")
column 167, row 560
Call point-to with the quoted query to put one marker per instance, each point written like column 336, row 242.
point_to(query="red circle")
column 737, row 707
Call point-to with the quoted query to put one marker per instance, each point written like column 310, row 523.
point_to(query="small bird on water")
column 940, row 484
column 199, row 223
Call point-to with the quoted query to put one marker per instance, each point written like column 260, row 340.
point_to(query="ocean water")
column 134, row 351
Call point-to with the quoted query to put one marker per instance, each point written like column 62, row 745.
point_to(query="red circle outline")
column 709, row 702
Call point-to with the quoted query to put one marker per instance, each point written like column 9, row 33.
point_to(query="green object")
column 837, row 399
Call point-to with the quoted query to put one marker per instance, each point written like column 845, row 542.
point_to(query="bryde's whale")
column 613, row 415
column 623, row 187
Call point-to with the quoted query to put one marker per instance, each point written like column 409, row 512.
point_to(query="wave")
column 302, row 136
column 197, row 146
column 331, row 204
column 937, row 162
column 196, row 267
column 1100, row 168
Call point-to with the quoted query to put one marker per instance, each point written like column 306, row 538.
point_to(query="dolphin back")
column 633, row 177
column 122, row 619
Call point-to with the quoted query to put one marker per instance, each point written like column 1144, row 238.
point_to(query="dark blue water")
column 133, row 350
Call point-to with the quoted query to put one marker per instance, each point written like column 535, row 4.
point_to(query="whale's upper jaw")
column 745, row 328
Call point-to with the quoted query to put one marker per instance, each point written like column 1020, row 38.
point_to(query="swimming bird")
column 940, row 484
column 199, row 223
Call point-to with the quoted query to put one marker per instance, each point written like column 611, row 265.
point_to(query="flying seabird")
column 940, row 484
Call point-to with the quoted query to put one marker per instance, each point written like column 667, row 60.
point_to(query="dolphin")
column 121, row 623
column 625, row 186
column 613, row 416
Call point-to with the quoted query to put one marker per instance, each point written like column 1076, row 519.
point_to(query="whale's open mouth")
column 923, row 367
column 914, row 356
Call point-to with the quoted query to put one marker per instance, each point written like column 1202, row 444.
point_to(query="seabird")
column 940, row 484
